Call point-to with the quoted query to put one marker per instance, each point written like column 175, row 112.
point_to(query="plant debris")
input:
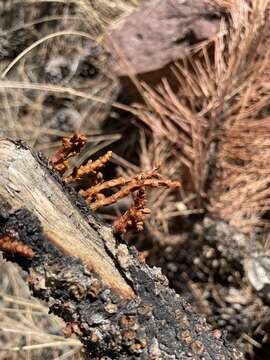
column 70, row 147
column 94, row 195
column 10, row 245
column 203, row 113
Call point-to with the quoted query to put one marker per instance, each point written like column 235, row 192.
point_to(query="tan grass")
column 27, row 331
column 88, row 20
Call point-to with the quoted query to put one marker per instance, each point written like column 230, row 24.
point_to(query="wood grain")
column 24, row 181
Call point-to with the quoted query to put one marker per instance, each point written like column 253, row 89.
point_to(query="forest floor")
column 206, row 122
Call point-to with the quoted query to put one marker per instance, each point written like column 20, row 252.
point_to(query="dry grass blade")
column 27, row 331
column 41, row 41
column 62, row 90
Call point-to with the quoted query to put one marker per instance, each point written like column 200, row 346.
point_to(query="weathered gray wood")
column 24, row 181
column 115, row 304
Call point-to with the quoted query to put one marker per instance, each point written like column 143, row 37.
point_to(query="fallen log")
column 117, row 306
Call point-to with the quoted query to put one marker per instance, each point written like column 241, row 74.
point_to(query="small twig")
column 72, row 342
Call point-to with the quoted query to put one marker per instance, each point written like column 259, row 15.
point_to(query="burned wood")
column 115, row 304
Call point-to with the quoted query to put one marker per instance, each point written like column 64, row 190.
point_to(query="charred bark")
column 107, row 295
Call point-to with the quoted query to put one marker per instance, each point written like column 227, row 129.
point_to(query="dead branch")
column 115, row 304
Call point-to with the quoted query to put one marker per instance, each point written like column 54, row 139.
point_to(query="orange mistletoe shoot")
column 95, row 194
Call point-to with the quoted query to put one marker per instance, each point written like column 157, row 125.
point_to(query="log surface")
column 108, row 296
column 23, row 181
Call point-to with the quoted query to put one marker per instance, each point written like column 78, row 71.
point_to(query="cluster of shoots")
column 95, row 194
column 10, row 245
